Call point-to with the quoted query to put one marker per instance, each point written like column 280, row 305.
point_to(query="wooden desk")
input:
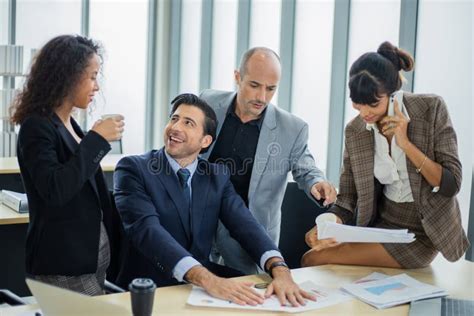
column 9, row 165
column 9, row 216
column 457, row 278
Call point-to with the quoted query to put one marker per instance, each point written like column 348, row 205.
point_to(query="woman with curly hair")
column 401, row 170
column 67, row 243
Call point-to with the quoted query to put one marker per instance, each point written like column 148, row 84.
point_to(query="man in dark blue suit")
column 170, row 202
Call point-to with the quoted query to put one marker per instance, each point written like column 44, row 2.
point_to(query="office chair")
column 298, row 215
column 10, row 298
column 117, row 243
column 111, row 288
column 116, row 147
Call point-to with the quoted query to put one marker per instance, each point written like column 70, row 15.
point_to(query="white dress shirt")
column 391, row 170
column 188, row 262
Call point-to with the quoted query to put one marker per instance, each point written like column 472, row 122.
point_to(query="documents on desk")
column 324, row 297
column 384, row 291
column 346, row 233
column 15, row 200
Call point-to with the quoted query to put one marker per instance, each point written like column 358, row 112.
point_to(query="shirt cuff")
column 267, row 255
column 183, row 266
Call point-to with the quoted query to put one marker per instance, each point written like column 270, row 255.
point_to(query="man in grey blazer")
column 260, row 143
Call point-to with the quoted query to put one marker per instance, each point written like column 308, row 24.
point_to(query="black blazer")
column 65, row 202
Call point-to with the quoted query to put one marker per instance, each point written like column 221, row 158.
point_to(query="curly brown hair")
column 56, row 70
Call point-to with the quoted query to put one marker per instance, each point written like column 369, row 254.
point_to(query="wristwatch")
column 277, row 264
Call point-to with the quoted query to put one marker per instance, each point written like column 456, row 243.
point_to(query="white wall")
column 444, row 66
column 312, row 72
column 122, row 28
column 224, row 43
column 190, row 57
column 371, row 24
column 3, row 22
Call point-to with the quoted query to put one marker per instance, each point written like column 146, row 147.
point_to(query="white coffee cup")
column 116, row 117
column 325, row 217
column 321, row 221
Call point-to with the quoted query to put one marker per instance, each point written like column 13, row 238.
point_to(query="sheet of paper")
column 325, row 297
column 392, row 290
column 30, row 313
column 374, row 276
column 346, row 233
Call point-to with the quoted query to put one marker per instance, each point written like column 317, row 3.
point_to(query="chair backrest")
column 116, row 240
column 298, row 215
column 116, row 147
column 10, row 298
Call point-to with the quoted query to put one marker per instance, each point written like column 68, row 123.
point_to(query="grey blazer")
column 282, row 147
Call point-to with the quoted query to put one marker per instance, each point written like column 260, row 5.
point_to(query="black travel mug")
column 142, row 294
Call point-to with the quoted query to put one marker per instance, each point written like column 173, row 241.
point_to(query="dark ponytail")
column 374, row 74
column 401, row 59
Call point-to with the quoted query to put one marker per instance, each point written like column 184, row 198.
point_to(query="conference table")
column 457, row 278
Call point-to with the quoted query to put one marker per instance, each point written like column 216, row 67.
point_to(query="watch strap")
column 277, row 264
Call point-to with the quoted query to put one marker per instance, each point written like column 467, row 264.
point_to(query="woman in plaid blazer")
column 401, row 170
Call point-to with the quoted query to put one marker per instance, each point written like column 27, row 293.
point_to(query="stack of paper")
column 388, row 291
column 14, row 200
column 324, row 297
column 346, row 233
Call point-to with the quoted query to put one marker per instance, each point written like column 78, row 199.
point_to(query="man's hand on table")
column 238, row 292
column 284, row 287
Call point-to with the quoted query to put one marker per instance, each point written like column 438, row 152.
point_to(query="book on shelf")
column 15, row 200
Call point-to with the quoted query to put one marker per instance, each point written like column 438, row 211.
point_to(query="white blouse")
column 391, row 171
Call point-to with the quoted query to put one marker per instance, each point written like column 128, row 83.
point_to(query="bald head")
column 257, row 81
column 262, row 56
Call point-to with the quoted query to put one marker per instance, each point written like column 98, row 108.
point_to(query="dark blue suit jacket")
column 149, row 199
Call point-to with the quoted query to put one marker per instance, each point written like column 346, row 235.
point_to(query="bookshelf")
column 11, row 67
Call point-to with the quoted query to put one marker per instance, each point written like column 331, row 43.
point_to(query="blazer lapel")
column 362, row 148
column 417, row 129
column 71, row 143
column 221, row 112
column 80, row 133
column 200, row 190
column 168, row 178
column 264, row 148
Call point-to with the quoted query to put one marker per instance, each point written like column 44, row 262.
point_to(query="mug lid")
column 142, row 284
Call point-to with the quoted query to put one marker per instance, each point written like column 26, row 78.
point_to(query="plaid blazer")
column 431, row 131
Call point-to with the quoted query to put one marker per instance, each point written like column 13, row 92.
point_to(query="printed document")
column 324, row 297
column 346, row 233
column 383, row 292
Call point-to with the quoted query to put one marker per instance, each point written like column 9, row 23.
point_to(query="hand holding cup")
column 110, row 127
column 311, row 237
